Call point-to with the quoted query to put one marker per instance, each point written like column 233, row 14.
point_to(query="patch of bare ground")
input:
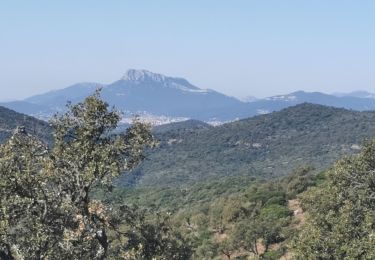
column 287, row 256
column 297, row 222
column 220, row 237
column 298, row 214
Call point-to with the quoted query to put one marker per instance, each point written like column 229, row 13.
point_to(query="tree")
column 341, row 212
column 26, row 203
column 299, row 180
column 248, row 235
column 255, row 235
column 227, row 247
column 45, row 194
column 146, row 238
column 207, row 249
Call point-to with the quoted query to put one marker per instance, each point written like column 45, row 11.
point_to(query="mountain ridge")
column 265, row 145
column 10, row 120
column 167, row 99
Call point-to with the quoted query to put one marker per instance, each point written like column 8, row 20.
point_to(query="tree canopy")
column 47, row 211
column 341, row 219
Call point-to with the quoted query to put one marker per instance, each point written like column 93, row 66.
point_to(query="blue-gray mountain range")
column 144, row 92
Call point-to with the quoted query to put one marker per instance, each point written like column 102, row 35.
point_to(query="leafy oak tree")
column 46, row 209
column 341, row 212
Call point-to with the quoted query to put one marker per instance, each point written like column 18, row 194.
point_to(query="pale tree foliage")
column 46, row 209
column 25, row 199
column 145, row 239
column 341, row 212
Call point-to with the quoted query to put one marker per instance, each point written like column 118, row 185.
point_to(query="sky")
column 240, row 47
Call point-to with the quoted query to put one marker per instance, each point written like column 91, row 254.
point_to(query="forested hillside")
column 267, row 145
column 230, row 217
column 10, row 120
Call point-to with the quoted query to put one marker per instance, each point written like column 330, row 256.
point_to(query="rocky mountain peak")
column 143, row 75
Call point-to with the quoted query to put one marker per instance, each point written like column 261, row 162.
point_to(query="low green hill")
column 267, row 145
column 10, row 120
column 173, row 128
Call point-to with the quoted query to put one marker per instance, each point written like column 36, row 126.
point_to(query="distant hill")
column 31, row 109
column 359, row 94
column 10, row 120
column 265, row 145
column 163, row 99
column 188, row 125
column 349, row 101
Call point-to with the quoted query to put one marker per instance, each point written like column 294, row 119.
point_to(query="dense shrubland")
column 264, row 146
column 234, row 216
column 341, row 211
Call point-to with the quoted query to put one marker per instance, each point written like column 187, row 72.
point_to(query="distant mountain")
column 10, row 120
column 359, row 94
column 56, row 100
column 265, row 145
column 161, row 99
column 249, row 99
column 276, row 103
column 141, row 92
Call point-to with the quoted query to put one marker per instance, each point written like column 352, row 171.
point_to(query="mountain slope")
column 276, row 103
column 359, row 94
column 160, row 95
column 10, row 120
column 31, row 109
column 266, row 145
column 58, row 98
column 162, row 99
column 143, row 92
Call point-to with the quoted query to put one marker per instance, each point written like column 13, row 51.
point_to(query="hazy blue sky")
column 240, row 48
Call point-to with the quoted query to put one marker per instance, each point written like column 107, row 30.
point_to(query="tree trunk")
column 103, row 240
column 7, row 254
